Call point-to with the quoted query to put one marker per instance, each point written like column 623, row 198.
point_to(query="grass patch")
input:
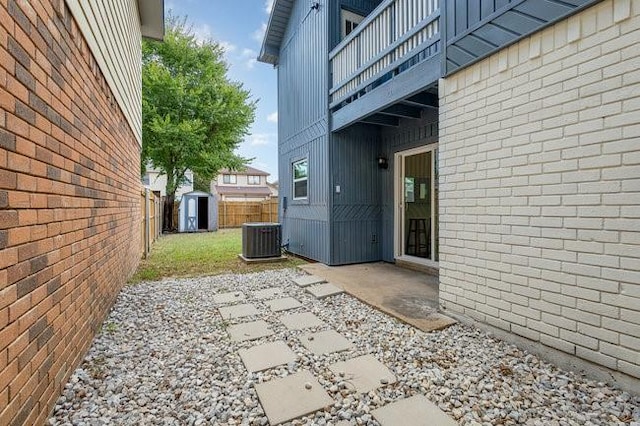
column 207, row 253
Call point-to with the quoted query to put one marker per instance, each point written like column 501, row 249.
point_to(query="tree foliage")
column 193, row 116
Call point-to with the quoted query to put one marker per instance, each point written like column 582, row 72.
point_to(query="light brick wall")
column 69, row 204
column 540, row 187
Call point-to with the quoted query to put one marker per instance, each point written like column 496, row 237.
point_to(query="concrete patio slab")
column 291, row 397
column 284, row 304
column 230, row 297
column 364, row 373
column 408, row 295
column 320, row 291
column 269, row 355
column 301, row 321
column 249, row 330
column 307, row 280
column 324, row 342
column 268, row 293
column 414, row 411
column 238, row 311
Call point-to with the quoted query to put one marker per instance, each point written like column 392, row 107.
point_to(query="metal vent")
column 260, row 240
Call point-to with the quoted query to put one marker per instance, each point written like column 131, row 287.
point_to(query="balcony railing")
column 395, row 36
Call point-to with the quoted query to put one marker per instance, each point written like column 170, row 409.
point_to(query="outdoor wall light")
column 383, row 163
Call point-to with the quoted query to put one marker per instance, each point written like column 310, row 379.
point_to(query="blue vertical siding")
column 303, row 129
column 356, row 214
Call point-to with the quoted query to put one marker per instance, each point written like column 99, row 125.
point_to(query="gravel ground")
column 164, row 357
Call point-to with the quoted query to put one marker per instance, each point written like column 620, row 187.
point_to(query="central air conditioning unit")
column 260, row 240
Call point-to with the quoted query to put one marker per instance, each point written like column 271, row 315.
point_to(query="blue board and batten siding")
column 356, row 224
column 356, row 214
column 474, row 29
column 303, row 129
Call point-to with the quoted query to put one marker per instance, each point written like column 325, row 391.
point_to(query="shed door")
column 191, row 214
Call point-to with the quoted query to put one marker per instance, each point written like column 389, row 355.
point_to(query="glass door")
column 416, row 199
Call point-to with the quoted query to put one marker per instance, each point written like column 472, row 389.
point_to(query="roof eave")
column 270, row 51
column 152, row 18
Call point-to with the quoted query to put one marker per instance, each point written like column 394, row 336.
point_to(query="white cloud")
column 273, row 117
column 258, row 34
column 268, row 6
column 249, row 57
column 202, row 32
column 227, row 46
column 260, row 139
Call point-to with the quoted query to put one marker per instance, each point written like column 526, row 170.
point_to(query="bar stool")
column 419, row 238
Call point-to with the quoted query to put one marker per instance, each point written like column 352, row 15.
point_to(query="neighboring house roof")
column 243, row 190
column 247, row 171
column 276, row 28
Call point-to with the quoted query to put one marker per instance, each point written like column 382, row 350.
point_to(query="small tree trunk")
column 168, row 213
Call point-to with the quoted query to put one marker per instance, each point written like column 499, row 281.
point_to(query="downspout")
column 331, row 18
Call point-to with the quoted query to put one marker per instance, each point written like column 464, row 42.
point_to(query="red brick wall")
column 69, row 204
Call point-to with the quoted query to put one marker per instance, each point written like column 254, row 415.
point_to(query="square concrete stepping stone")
column 325, row 342
column 249, row 330
column 301, row 321
column 268, row 293
column 364, row 373
column 291, row 397
column 230, row 297
column 238, row 311
column 320, row 291
column 283, row 304
column 307, row 280
column 414, row 411
column 269, row 355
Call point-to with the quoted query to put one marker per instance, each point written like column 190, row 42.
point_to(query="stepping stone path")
column 249, row 330
column 283, row 304
column 268, row 293
column 325, row 342
column 414, row 411
column 301, row 321
column 364, row 373
column 307, row 280
column 320, row 291
column 291, row 397
column 238, row 311
column 269, row 355
column 299, row 394
column 225, row 298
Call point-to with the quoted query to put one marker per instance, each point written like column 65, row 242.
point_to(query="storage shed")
column 198, row 211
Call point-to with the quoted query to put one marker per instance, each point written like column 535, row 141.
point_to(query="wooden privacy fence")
column 232, row 214
column 151, row 219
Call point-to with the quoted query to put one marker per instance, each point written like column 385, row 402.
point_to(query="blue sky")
column 238, row 25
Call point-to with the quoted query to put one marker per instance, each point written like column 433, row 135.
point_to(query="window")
column 300, row 179
column 253, row 180
column 228, row 178
column 350, row 21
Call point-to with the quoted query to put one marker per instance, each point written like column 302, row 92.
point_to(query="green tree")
column 193, row 116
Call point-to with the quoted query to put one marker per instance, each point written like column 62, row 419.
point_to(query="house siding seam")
column 69, row 204
column 540, row 188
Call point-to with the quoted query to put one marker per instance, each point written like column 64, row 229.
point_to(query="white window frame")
column 253, row 179
column 346, row 15
column 233, row 179
column 294, row 180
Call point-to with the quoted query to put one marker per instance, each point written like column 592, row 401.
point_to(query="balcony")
column 397, row 48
